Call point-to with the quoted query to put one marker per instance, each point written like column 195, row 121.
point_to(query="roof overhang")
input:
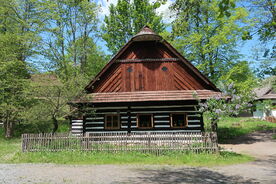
column 147, row 96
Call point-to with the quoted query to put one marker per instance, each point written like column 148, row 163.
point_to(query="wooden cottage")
column 265, row 93
column 147, row 86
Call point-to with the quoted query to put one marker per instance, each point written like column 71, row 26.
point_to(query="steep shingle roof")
column 265, row 92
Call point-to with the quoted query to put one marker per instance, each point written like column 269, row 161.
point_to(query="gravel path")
column 106, row 174
column 260, row 145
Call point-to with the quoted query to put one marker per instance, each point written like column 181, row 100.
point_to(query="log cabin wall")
column 77, row 126
column 161, row 118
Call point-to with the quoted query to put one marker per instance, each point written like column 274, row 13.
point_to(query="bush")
column 45, row 126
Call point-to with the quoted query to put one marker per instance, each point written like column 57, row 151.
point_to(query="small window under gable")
column 112, row 121
column 179, row 120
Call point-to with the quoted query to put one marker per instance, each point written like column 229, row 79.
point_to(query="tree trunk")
column 55, row 122
column 214, row 125
column 8, row 127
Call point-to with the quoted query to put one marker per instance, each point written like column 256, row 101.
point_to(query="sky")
column 106, row 3
column 245, row 47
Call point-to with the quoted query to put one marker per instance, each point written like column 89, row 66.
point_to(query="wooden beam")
column 129, row 120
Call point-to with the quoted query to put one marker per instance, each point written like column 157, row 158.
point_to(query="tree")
column 20, row 18
column 127, row 18
column 13, row 89
column 264, row 13
column 18, row 38
column 266, row 68
column 242, row 77
column 207, row 39
column 229, row 103
column 52, row 96
column 70, row 31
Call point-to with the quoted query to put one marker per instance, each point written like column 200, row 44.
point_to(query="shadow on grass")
column 228, row 135
column 236, row 135
column 185, row 175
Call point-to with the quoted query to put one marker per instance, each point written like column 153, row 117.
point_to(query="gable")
column 145, row 50
column 148, row 65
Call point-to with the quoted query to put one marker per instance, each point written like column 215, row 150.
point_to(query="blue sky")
column 246, row 48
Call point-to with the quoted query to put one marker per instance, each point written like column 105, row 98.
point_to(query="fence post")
column 214, row 140
column 23, row 142
column 149, row 141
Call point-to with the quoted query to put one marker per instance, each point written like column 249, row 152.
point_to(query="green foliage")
column 265, row 17
column 63, row 32
column 207, row 39
column 265, row 106
column 17, row 40
column 52, row 96
column 127, row 18
column 225, row 6
column 229, row 103
column 70, row 29
column 271, row 81
column 266, row 68
column 242, row 77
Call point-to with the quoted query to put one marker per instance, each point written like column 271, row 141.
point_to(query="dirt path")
column 260, row 145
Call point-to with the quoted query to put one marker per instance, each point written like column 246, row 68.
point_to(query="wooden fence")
column 147, row 142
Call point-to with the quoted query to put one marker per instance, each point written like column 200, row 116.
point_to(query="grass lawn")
column 10, row 153
column 229, row 128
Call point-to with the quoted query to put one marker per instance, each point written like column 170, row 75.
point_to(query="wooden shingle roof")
column 265, row 93
column 141, row 96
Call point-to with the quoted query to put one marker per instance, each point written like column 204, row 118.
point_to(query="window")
column 145, row 120
column 164, row 68
column 179, row 120
column 129, row 69
column 112, row 121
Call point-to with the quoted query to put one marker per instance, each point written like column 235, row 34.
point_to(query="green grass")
column 8, row 148
column 172, row 158
column 230, row 128
column 10, row 152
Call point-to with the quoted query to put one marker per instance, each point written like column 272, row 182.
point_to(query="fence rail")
column 152, row 142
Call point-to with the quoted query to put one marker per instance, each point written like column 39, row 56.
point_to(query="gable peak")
column 146, row 30
column 146, row 33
